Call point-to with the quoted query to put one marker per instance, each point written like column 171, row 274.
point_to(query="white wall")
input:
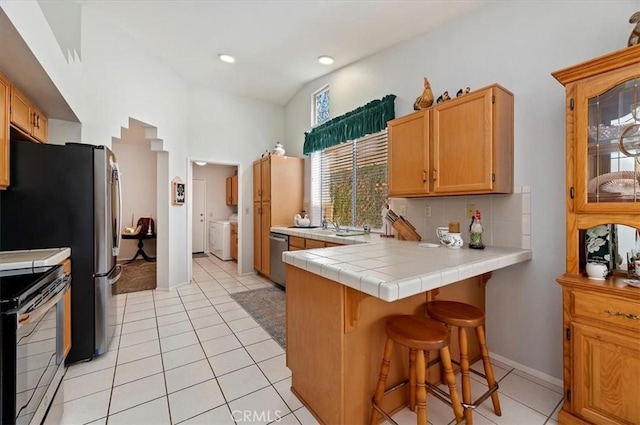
column 138, row 169
column 237, row 131
column 518, row 45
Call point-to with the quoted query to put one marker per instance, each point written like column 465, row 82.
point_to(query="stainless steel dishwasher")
column 278, row 243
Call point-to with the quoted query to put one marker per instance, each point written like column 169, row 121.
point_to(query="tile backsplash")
column 506, row 219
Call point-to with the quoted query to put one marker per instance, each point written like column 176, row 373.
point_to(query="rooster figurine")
column 425, row 99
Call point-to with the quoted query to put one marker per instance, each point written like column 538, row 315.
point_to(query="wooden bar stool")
column 420, row 335
column 464, row 316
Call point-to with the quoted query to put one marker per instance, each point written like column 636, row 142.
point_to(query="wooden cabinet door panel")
column 266, row 179
column 408, row 157
column 313, row 243
column 228, row 190
column 5, row 94
column 40, row 128
column 606, row 383
column 257, row 181
column 266, row 229
column 21, row 112
column 257, row 236
column 234, row 190
column 463, row 144
column 66, row 334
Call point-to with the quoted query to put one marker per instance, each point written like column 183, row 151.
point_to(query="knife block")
column 406, row 232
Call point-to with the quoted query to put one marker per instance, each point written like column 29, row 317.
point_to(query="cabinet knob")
column 424, row 176
column 435, row 174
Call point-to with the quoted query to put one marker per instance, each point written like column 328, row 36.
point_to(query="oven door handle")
column 26, row 318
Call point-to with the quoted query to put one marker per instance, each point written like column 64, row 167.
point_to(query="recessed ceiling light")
column 226, row 58
column 325, row 60
column 200, row 163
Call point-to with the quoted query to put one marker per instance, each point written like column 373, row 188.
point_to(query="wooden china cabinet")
column 601, row 318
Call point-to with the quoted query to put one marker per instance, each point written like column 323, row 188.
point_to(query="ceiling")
column 276, row 43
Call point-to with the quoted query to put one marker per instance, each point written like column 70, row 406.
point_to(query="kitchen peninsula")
column 337, row 301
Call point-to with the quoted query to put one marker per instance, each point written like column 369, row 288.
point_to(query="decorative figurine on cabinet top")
column 460, row 92
column 635, row 34
column 278, row 150
column 425, row 99
column 445, row 96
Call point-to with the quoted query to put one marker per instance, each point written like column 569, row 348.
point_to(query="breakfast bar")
column 338, row 298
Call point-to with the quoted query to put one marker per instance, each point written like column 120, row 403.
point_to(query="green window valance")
column 368, row 119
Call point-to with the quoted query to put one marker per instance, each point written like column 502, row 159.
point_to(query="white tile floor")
column 193, row 356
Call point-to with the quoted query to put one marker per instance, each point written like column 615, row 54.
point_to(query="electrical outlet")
column 427, row 211
column 402, row 210
column 471, row 210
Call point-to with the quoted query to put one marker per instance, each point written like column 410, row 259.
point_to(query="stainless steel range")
column 32, row 312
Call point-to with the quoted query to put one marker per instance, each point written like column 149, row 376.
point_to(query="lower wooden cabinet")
column 296, row 243
column 601, row 352
column 66, row 334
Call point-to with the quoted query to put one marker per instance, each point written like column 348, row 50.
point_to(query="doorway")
column 220, row 212
column 198, row 216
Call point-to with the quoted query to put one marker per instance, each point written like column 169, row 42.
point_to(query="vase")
column 278, row 150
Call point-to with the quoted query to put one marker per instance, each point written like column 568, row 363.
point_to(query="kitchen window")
column 349, row 182
column 320, row 106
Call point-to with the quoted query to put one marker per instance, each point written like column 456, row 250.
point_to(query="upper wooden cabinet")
column 409, row 155
column 26, row 117
column 603, row 133
column 232, row 190
column 5, row 93
column 277, row 193
column 461, row 146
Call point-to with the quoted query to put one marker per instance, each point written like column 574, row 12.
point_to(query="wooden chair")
column 420, row 335
column 464, row 316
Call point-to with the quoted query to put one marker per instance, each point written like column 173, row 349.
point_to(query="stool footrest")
column 481, row 399
column 433, row 389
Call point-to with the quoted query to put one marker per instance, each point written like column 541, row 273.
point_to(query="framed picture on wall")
column 179, row 193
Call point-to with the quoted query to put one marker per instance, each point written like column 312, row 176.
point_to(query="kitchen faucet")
column 336, row 225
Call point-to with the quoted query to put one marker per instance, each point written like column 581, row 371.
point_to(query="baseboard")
column 533, row 372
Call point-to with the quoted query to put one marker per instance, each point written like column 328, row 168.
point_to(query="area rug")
column 138, row 275
column 199, row 255
column 267, row 307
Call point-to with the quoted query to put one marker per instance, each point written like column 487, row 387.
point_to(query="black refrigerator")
column 70, row 196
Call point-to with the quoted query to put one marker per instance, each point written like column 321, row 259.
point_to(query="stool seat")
column 454, row 313
column 417, row 332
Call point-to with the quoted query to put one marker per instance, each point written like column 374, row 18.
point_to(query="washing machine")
column 220, row 239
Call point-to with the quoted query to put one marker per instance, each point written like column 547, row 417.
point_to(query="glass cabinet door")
column 613, row 145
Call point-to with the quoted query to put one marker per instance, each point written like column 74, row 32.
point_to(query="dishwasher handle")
column 279, row 239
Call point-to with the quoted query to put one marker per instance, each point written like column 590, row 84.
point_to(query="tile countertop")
column 32, row 258
column 390, row 269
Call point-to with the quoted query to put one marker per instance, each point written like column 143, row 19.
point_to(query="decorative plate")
column 632, row 282
column 625, row 187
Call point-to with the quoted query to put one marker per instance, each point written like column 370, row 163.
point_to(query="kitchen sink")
column 350, row 233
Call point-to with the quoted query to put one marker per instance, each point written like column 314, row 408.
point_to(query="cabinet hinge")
column 572, row 104
column 569, row 396
column 572, row 192
column 567, row 334
column 493, row 177
column 493, row 99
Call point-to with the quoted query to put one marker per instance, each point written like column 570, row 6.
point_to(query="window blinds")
column 349, row 182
